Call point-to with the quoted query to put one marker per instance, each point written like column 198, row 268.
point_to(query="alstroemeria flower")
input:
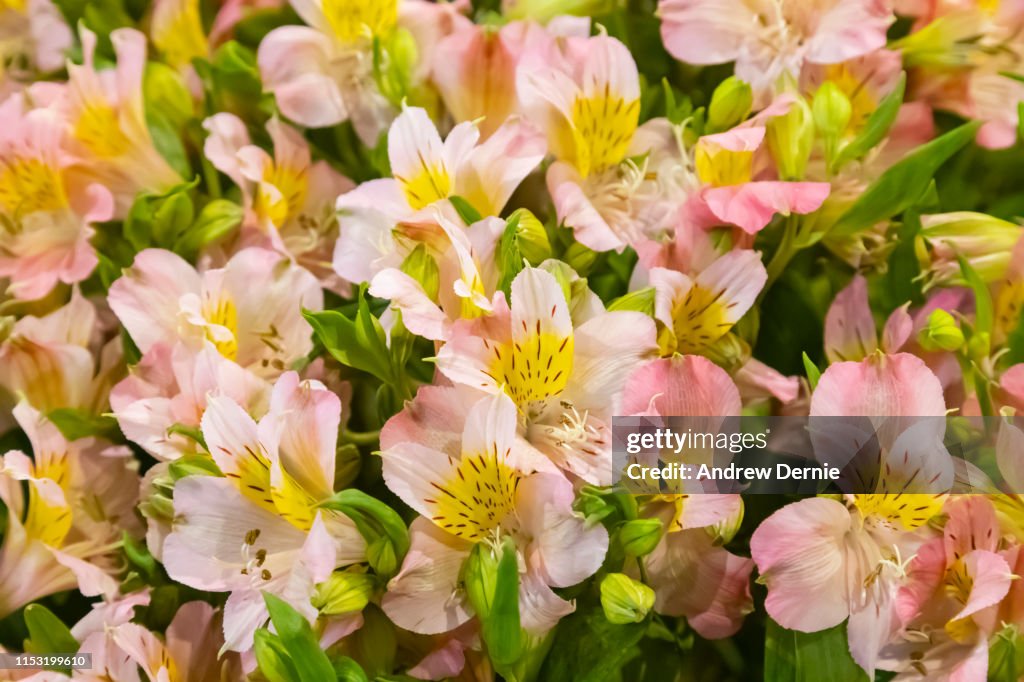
column 65, row 534
column 94, row 634
column 589, row 106
column 949, row 606
column 476, row 489
column 467, row 277
column 258, row 528
column 251, row 309
column 698, row 312
column 49, row 208
column 566, row 382
column 323, row 74
column 107, row 119
column 55, row 361
column 848, row 557
column 850, row 333
column 289, row 198
column 176, row 28
column 769, row 38
column 692, row 574
column 170, row 386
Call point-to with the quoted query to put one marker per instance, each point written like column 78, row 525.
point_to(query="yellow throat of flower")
column 223, row 313
column 477, row 498
column 29, row 185
column 602, row 129
column 533, row 368
column 45, row 522
column 354, row 19
column 293, row 185
column 909, row 510
column 179, row 33
column 698, row 320
column 99, row 130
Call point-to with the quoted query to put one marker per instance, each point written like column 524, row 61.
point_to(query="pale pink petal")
column 752, row 206
column 685, row 385
column 540, row 608
column 850, row 332
column 425, row 596
column 705, row 31
column 799, row 551
column 575, row 209
column 606, row 349
column 295, row 62
column 849, row 29
column 880, row 385
column 898, row 330
column 420, row 315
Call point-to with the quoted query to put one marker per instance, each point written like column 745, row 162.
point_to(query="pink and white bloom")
column 107, row 120
column 475, row 489
column 57, row 360
column 50, row 207
column 770, row 38
column 850, row 332
column 250, row 310
column 565, row 381
column 259, row 528
column 66, row 532
column 289, row 198
column 170, row 386
column 691, row 573
column 698, row 312
column 949, row 606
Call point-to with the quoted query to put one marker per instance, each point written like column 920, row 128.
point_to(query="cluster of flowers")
column 316, row 316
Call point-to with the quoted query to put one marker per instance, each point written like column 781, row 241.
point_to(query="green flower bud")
column 730, row 104
column 641, row 301
column 790, row 138
column 832, row 110
column 985, row 242
column 580, row 258
column 980, row 346
column 639, row 537
column 344, row 592
column 531, row 237
column 422, row 267
column 215, row 221
column 164, row 91
column 942, row 332
column 479, row 575
column 625, row 600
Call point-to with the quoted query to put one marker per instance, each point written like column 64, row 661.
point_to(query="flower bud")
column 580, row 258
column 641, row 301
column 639, row 537
column 344, row 592
column 790, row 138
column 831, row 109
column 422, row 267
column 985, row 242
column 479, row 575
column 941, row 333
column 730, row 104
column 625, row 600
column 980, row 346
column 543, row 11
column 531, row 237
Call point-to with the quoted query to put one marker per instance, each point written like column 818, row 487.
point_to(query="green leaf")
column 167, row 140
column 139, row 557
column 348, row 670
column 902, row 283
column 299, row 640
column 1006, row 657
column 904, row 183
column 587, row 648
column 74, row 423
column 640, row 301
column 465, row 210
column 501, row 628
column 510, row 258
column 216, row 220
column 813, row 373
column 47, row 634
column 193, row 465
column 172, row 217
column 387, row 538
column 876, row 127
column 792, row 656
column 273, row 659
column 983, row 311
column 357, row 343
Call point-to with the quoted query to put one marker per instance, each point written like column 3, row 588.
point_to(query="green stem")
column 360, row 437
column 784, row 253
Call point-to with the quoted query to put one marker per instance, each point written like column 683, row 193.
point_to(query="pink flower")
column 566, row 381
column 476, row 489
column 170, row 386
column 51, row 209
column 56, row 361
column 949, row 606
column 767, row 39
column 258, row 528
column 65, row 533
column 698, row 312
column 250, row 310
column 106, row 116
column 850, row 332
column 289, row 198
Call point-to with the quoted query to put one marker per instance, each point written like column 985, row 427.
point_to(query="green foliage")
column 293, row 651
column 792, row 656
